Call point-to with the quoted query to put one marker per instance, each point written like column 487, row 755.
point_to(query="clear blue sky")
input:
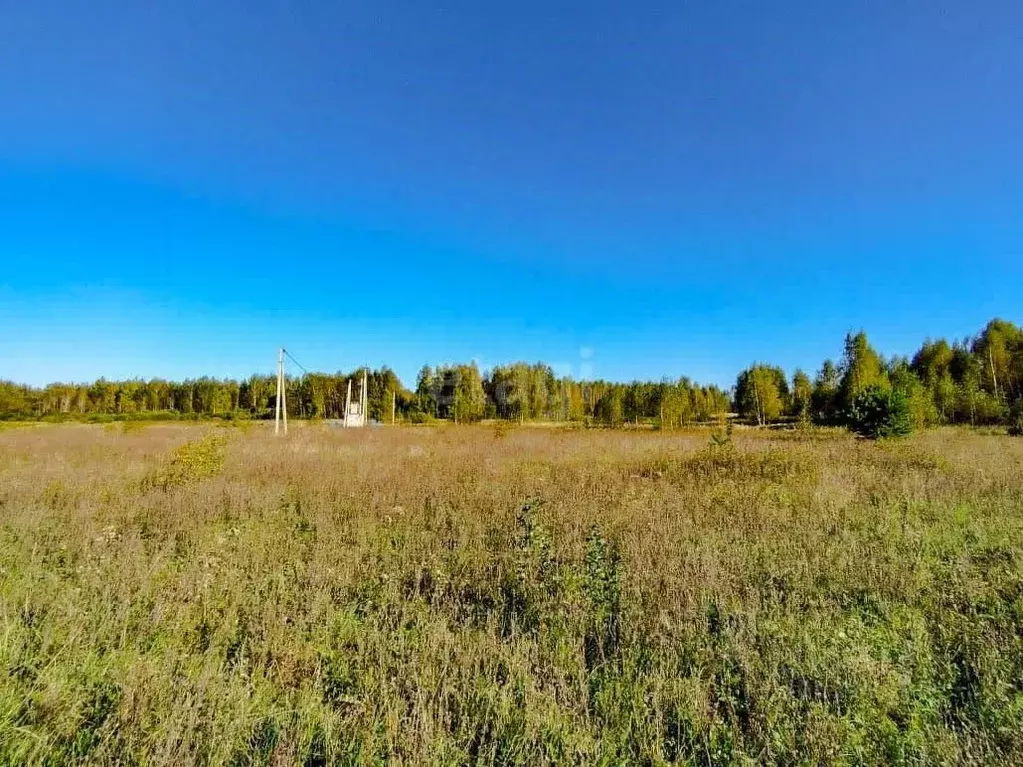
column 622, row 189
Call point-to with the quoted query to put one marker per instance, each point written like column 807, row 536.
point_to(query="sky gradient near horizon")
column 621, row 190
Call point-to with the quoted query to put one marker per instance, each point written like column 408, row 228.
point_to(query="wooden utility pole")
column 284, row 396
column 394, row 397
column 277, row 396
column 281, row 404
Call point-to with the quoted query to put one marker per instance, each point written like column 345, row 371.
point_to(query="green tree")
column 825, row 394
column 610, row 408
column 468, row 398
column 918, row 399
column 802, row 397
column 676, row 404
column 427, row 391
column 576, row 400
column 999, row 349
column 14, row 399
column 862, row 367
column 761, row 393
column 933, row 365
column 880, row 411
column 933, row 361
column 102, row 396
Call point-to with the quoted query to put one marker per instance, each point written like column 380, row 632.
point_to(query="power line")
column 297, row 362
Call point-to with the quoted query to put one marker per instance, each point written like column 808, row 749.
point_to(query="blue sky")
column 623, row 190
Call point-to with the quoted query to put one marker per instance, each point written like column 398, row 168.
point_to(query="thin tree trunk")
column 994, row 375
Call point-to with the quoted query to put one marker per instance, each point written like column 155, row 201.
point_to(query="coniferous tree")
column 861, row 367
column 825, row 393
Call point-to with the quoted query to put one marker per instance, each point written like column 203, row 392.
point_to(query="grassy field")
column 188, row 594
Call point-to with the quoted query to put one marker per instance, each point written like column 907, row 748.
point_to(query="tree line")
column 314, row 395
column 459, row 392
column 978, row 380
column 532, row 392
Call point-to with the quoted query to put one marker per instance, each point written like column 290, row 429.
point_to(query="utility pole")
column 394, row 397
column 277, row 397
column 284, row 395
column 281, row 402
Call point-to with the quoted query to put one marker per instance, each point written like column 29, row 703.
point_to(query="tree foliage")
column 762, row 393
column 880, row 411
column 862, row 368
column 801, row 404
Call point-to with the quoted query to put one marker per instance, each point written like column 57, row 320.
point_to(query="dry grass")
column 188, row 594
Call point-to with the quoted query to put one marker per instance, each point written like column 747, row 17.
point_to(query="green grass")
column 193, row 595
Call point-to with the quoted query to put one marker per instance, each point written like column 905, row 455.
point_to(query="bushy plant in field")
column 722, row 436
column 878, row 412
column 192, row 461
column 603, row 588
column 537, row 580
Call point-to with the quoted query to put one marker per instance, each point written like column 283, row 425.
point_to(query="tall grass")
column 186, row 594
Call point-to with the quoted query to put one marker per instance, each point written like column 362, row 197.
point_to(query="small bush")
column 880, row 412
column 192, row 461
column 419, row 417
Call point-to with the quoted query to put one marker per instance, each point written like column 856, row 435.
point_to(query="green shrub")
column 420, row 417
column 192, row 461
column 878, row 411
